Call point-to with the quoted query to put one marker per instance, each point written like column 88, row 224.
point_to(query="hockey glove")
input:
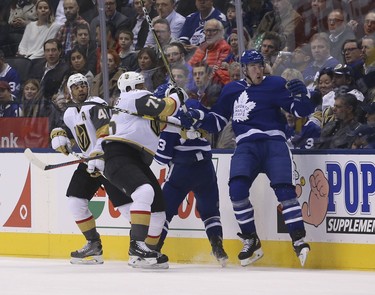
column 192, row 118
column 95, row 167
column 60, row 141
column 297, row 88
column 181, row 93
column 193, row 134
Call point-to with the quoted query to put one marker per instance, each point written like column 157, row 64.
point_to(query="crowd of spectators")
column 327, row 44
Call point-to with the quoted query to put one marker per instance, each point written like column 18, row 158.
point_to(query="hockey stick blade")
column 34, row 160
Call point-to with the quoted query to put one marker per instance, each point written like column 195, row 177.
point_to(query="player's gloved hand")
column 95, row 167
column 192, row 118
column 193, row 134
column 297, row 88
column 60, row 141
column 182, row 95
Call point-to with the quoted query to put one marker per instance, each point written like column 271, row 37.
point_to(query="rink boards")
column 337, row 193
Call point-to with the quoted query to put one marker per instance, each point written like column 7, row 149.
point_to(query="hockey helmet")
column 251, row 57
column 129, row 79
column 74, row 80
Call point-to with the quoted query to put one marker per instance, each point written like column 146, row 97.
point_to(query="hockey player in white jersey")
column 86, row 125
column 128, row 153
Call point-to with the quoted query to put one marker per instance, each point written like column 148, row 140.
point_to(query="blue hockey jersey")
column 255, row 109
column 172, row 147
column 192, row 30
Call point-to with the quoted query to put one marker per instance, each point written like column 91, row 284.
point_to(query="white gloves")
column 60, row 141
column 95, row 167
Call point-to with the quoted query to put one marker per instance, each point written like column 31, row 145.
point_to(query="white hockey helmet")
column 76, row 79
column 129, row 79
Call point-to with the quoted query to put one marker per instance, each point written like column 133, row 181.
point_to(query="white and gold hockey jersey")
column 137, row 131
column 88, row 124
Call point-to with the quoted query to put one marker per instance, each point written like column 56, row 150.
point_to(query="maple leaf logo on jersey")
column 242, row 107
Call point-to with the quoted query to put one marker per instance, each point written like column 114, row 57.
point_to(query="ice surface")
column 29, row 276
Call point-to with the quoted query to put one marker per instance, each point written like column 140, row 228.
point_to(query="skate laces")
column 143, row 246
column 247, row 244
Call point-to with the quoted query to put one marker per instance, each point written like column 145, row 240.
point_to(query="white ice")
column 29, row 276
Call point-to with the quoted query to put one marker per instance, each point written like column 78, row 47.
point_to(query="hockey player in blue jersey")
column 254, row 104
column 190, row 169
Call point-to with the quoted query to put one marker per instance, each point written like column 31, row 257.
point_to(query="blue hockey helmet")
column 251, row 56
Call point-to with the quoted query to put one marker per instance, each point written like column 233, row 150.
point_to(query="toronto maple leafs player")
column 190, row 169
column 254, row 104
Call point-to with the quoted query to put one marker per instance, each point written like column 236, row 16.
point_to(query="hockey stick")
column 171, row 120
column 165, row 61
column 43, row 166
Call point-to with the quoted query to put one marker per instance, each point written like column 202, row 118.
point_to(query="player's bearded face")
column 79, row 92
column 254, row 73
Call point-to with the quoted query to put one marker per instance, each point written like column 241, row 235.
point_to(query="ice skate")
column 91, row 253
column 302, row 249
column 218, row 250
column 140, row 256
column 251, row 250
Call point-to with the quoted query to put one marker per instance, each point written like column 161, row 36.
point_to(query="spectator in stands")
column 58, row 107
column 22, row 12
column 234, row 54
column 66, row 34
column 114, row 72
column 283, row 20
column 192, row 34
column 139, row 24
column 150, row 67
column 10, row 75
column 368, row 53
column 325, row 81
column 208, row 90
column 165, row 10
column 270, row 47
column 369, row 23
column 213, row 51
column 315, row 14
column 37, row 32
column 175, row 54
column 353, row 57
column 52, row 71
column 110, row 40
column 33, row 103
column 253, row 14
column 234, row 70
column 8, row 106
column 339, row 32
column 163, row 33
column 78, row 64
column 230, row 14
column 87, row 46
column 299, row 59
column 343, row 82
column 365, row 134
column 126, row 52
column 334, row 134
column 116, row 18
column 320, row 50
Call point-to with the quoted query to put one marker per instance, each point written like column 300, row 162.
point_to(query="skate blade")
column 303, row 256
column 258, row 254
column 90, row 260
column 223, row 261
column 138, row 262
